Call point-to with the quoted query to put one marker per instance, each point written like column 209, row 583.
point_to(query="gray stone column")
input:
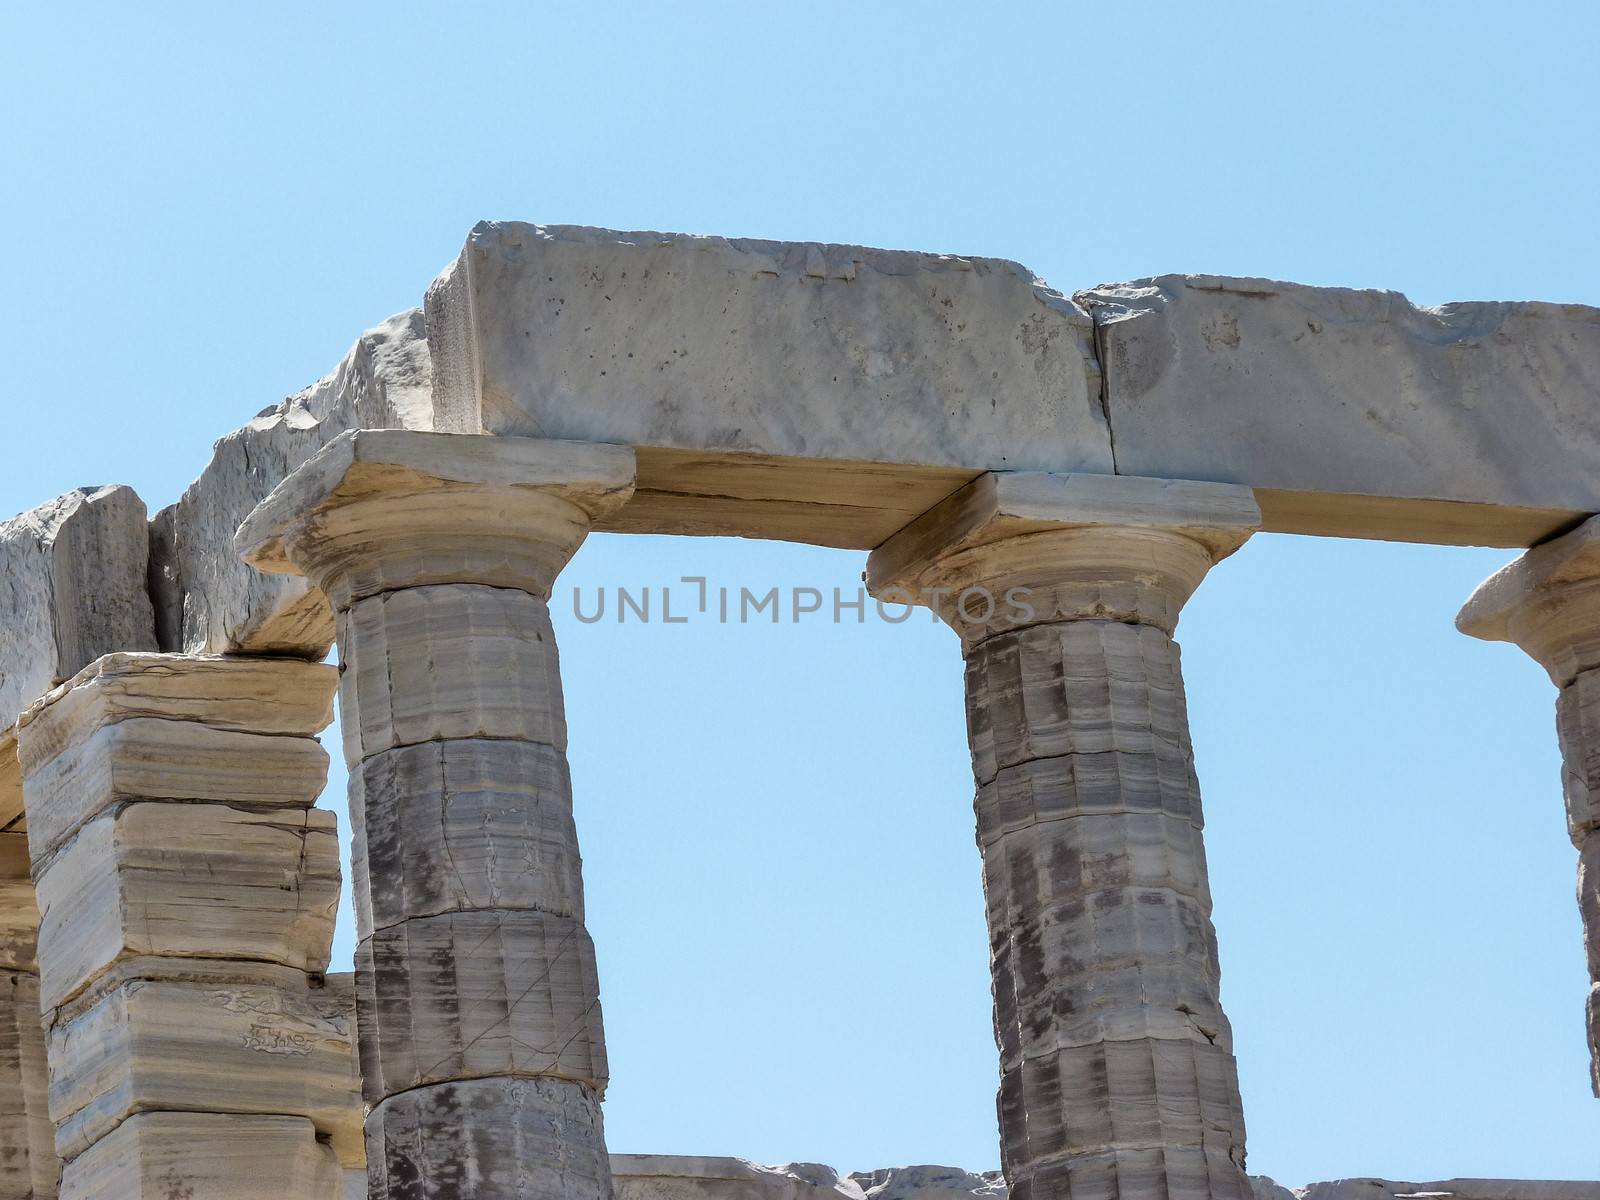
column 1548, row 602
column 1117, row 1077
column 482, row 1046
column 187, row 890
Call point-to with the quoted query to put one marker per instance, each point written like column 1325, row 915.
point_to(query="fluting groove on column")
column 188, row 891
column 1117, row 1073
column 1548, row 603
column 482, row 1046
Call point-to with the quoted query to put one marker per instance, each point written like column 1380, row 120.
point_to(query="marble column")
column 1117, row 1076
column 482, row 1046
column 29, row 1169
column 187, row 889
column 1548, row 603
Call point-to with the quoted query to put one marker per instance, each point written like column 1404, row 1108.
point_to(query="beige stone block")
column 453, row 661
column 1334, row 390
column 144, row 758
column 246, row 695
column 19, row 907
column 75, row 589
column 1074, row 687
column 157, row 1034
column 490, row 1139
column 479, row 994
column 463, row 825
column 644, row 338
column 188, row 881
column 29, row 1169
column 205, row 1156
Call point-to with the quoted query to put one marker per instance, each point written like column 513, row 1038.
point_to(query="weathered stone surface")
column 930, row 1183
column 190, row 1156
column 146, row 758
column 72, row 587
column 208, row 601
column 188, row 881
column 377, row 510
column 490, row 1139
column 790, row 351
column 29, row 1169
column 108, row 735
column 453, row 826
column 19, row 907
column 693, row 1177
column 1117, row 1075
column 448, row 662
column 1269, row 1189
column 161, row 1034
column 1359, row 394
column 520, row 996
column 243, row 694
column 10, row 781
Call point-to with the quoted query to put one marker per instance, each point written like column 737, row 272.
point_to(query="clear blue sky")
column 204, row 204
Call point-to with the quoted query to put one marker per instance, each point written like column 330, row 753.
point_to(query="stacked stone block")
column 1116, row 1061
column 482, row 1048
column 188, row 890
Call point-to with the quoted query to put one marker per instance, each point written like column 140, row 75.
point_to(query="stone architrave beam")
column 829, row 394
column 483, row 1051
column 1117, row 1070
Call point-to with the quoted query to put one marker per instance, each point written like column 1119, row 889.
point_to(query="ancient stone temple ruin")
column 1053, row 476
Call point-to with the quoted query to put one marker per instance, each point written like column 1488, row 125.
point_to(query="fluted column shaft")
column 1117, row 1072
column 483, row 1050
column 1548, row 603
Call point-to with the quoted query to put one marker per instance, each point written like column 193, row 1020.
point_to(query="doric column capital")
column 1547, row 602
column 377, row 510
column 1013, row 549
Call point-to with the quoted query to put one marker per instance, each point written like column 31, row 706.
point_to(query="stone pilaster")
column 482, row 1046
column 29, row 1168
column 1117, row 1072
column 1548, row 603
column 188, row 890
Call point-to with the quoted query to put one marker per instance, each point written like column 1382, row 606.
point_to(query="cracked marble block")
column 1548, row 603
column 188, row 889
column 482, row 1045
column 1118, row 1080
